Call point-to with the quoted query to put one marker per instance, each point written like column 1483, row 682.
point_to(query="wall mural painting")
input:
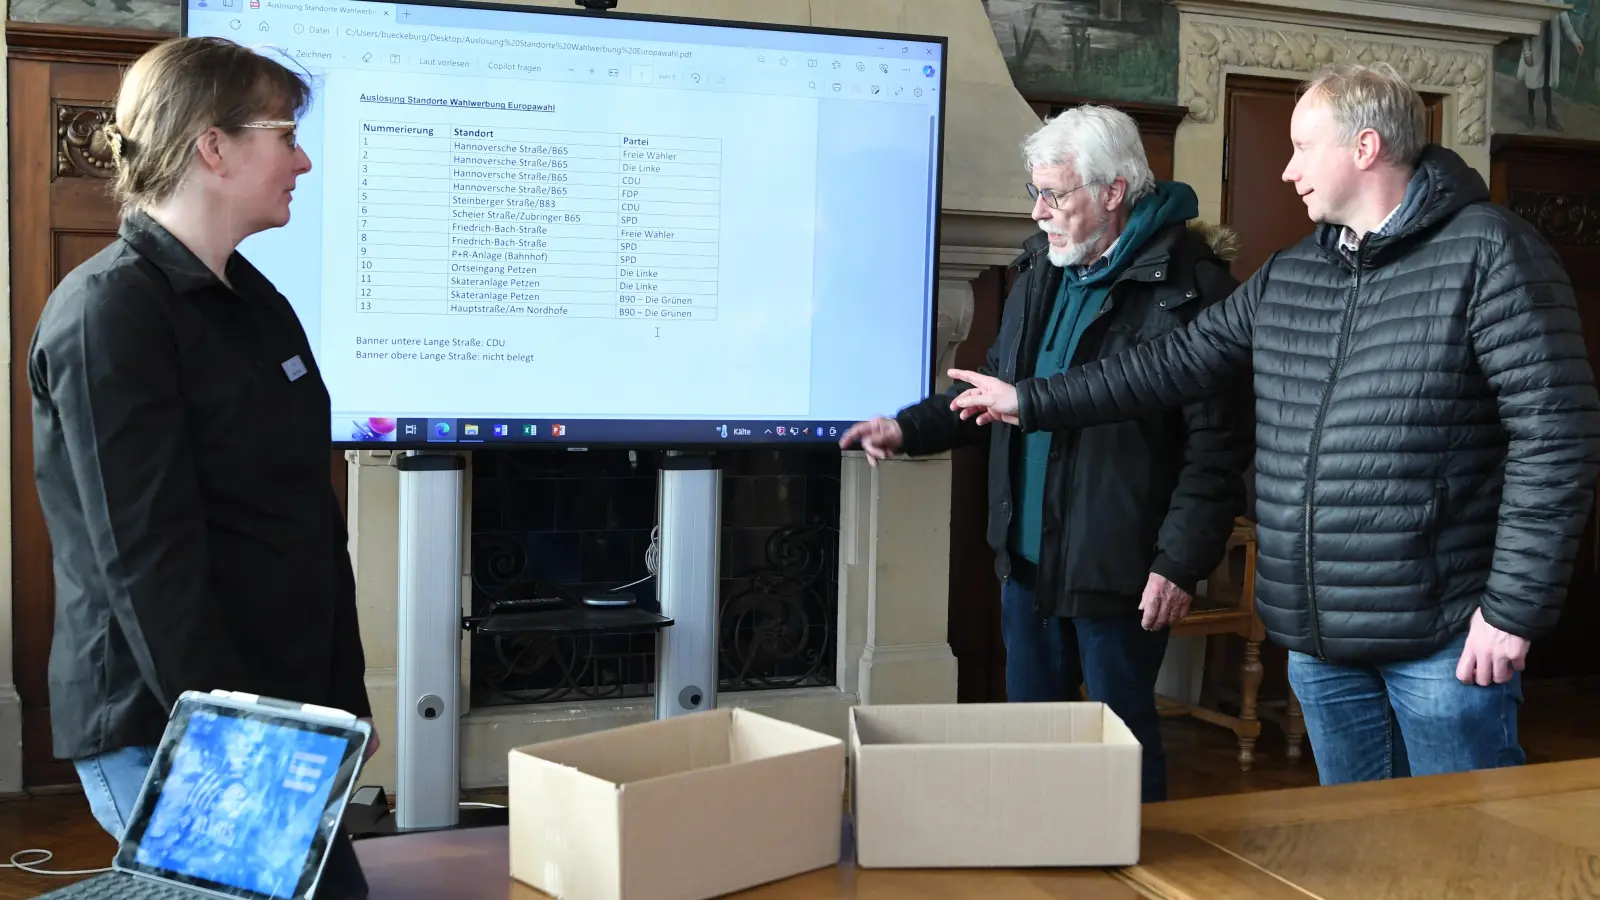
column 1550, row 84
column 1102, row 49
column 144, row 15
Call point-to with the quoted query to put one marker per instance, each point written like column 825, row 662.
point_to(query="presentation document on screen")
column 521, row 226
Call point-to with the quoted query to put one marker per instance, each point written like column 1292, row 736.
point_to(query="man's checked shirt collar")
column 1350, row 242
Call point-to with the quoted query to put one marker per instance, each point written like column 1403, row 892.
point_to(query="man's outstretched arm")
column 1186, row 366
column 932, row 427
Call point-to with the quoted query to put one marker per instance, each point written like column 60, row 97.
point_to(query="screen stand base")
column 427, row 738
column 690, row 509
column 368, row 816
column 428, row 652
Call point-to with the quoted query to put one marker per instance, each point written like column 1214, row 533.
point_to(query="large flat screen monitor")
column 542, row 225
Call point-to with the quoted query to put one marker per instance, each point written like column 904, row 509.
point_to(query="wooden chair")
column 1228, row 606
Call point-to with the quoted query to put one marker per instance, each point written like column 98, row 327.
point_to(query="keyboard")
column 121, row 886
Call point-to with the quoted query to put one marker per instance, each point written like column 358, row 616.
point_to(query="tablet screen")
column 242, row 801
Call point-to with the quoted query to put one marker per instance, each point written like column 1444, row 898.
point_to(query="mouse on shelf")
column 613, row 599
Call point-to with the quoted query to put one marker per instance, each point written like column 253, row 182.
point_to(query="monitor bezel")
column 931, row 301
column 355, row 735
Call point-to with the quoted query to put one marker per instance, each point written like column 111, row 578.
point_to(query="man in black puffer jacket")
column 1427, row 436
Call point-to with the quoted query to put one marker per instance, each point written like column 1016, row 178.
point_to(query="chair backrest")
column 1231, row 587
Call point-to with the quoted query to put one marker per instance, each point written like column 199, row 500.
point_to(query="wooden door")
column 973, row 628
column 1256, row 201
column 1158, row 125
column 60, row 216
column 62, row 81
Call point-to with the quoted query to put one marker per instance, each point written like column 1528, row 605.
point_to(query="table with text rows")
column 475, row 220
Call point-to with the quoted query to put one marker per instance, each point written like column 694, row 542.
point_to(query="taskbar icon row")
column 605, row 431
column 475, row 430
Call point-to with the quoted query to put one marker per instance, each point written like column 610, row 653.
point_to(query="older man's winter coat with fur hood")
column 1159, row 493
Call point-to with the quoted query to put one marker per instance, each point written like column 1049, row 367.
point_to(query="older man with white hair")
column 1100, row 535
column 1428, row 435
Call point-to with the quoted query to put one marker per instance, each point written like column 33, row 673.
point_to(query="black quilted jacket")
column 1427, row 425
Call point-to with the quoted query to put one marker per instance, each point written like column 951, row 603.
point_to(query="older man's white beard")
column 1074, row 254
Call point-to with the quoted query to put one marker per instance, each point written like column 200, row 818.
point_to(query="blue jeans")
column 1115, row 658
column 1410, row 718
column 111, row 782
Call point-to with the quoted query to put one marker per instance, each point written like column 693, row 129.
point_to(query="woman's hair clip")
column 115, row 139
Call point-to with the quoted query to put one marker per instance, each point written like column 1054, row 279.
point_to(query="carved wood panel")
column 1212, row 46
column 81, row 148
column 1571, row 220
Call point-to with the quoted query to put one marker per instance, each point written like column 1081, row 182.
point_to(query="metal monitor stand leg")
column 428, row 655
column 690, row 504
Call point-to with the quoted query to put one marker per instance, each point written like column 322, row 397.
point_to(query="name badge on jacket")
column 294, row 368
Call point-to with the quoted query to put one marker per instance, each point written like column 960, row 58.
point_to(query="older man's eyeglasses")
column 1052, row 198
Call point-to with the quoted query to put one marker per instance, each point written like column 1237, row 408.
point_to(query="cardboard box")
column 678, row 809
column 996, row 784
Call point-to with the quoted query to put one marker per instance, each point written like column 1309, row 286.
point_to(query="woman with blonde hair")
column 181, row 433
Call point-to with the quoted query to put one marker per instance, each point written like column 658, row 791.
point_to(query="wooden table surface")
column 1529, row 833
column 1510, row 834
